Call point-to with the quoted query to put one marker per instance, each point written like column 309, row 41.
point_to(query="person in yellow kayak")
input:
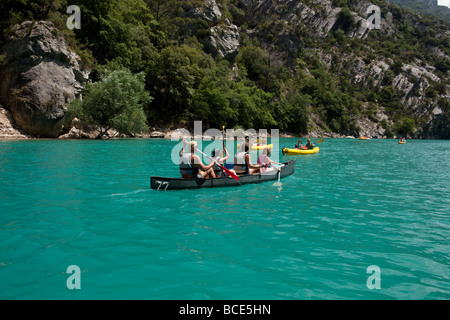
column 299, row 145
column 191, row 166
column 310, row 145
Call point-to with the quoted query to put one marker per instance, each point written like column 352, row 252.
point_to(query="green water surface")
column 353, row 205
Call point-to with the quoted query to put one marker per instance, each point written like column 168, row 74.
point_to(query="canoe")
column 164, row 184
column 292, row 152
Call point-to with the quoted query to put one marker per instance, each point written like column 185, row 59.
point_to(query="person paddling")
column 217, row 158
column 310, row 145
column 299, row 145
column 264, row 160
column 243, row 162
column 191, row 166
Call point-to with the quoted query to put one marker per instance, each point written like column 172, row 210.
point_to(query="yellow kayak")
column 400, row 142
column 287, row 151
column 256, row 147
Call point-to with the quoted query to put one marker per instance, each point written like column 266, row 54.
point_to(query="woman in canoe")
column 191, row 166
column 264, row 160
column 243, row 162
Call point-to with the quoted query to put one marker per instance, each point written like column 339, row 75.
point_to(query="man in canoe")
column 243, row 162
column 242, row 146
column 191, row 166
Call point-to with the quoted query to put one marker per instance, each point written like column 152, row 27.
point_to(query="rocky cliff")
column 320, row 20
column 429, row 7
column 38, row 77
column 8, row 129
column 39, row 74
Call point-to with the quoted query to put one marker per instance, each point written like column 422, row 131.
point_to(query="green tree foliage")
column 219, row 101
column 293, row 110
column 16, row 11
column 346, row 19
column 118, row 31
column 262, row 87
column 114, row 102
column 255, row 61
column 406, row 127
column 176, row 75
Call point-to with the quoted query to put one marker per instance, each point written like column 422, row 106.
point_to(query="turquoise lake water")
column 353, row 205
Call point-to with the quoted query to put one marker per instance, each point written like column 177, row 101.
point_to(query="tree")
column 346, row 19
column 256, row 62
column 407, row 126
column 177, row 73
column 114, row 102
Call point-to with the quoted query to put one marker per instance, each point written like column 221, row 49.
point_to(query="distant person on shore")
column 264, row 160
column 310, row 145
column 243, row 162
column 191, row 166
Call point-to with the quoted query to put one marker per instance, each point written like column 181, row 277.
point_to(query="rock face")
column 224, row 41
column 320, row 19
column 209, row 11
column 224, row 36
column 7, row 127
column 39, row 77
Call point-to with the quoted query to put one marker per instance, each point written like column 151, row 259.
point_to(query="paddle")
column 223, row 140
column 320, row 141
column 231, row 174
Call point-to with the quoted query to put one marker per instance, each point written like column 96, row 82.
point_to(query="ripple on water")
column 353, row 205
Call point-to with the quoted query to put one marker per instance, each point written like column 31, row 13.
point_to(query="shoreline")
column 10, row 132
column 205, row 138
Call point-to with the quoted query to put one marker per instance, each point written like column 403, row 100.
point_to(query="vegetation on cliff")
column 284, row 76
column 427, row 7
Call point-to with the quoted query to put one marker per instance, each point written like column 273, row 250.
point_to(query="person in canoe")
column 191, row 166
column 242, row 145
column 264, row 160
column 310, row 145
column 243, row 162
column 217, row 155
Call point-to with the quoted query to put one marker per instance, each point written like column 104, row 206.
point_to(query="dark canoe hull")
column 163, row 184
